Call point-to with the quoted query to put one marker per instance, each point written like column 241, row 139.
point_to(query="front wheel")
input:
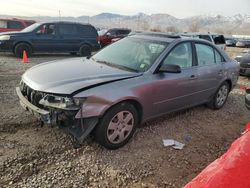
column 220, row 96
column 20, row 48
column 117, row 126
column 85, row 50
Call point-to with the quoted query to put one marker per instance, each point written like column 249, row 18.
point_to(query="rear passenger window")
column 219, row 39
column 68, row 29
column 87, row 30
column 180, row 55
column 205, row 54
column 14, row 25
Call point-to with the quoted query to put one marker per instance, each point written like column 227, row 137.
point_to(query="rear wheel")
column 85, row 50
column 220, row 96
column 117, row 126
column 20, row 48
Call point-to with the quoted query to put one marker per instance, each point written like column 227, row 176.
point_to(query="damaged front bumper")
column 79, row 128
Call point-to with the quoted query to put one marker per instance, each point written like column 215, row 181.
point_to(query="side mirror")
column 108, row 34
column 170, row 68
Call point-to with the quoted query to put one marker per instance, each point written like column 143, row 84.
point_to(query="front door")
column 45, row 38
column 174, row 91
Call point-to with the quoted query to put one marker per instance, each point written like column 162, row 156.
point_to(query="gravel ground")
column 35, row 156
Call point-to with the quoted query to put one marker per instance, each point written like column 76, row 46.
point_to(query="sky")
column 177, row 8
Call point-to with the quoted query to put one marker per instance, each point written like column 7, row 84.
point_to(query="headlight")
column 60, row 102
column 5, row 37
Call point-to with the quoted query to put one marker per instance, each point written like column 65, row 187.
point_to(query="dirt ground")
column 35, row 156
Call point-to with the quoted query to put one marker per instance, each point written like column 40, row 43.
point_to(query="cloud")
column 178, row 8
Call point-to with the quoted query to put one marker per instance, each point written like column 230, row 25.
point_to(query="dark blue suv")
column 52, row 37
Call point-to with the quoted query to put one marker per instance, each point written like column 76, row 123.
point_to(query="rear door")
column 69, row 38
column 209, row 70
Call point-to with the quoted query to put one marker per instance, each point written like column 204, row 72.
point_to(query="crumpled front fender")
column 93, row 107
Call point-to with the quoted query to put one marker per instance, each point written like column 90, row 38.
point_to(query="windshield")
column 131, row 53
column 31, row 27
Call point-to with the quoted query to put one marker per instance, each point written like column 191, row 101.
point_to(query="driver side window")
column 46, row 29
column 181, row 55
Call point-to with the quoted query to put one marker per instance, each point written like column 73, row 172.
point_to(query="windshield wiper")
column 114, row 65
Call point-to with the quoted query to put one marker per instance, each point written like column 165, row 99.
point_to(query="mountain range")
column 237, row 24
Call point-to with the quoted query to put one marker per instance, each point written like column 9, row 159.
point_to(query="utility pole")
column 59, row 14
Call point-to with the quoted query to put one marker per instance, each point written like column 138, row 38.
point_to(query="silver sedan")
column 138, row 78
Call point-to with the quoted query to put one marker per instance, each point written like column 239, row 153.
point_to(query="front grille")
column 244, row 65
column 32, row 95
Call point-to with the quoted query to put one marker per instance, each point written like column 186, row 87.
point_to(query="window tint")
column 112, row 32
column 123, row 32
column 205, row 37
column 68, row 29
column 47, row 29
column 180, row 55
column 3, row 24
column 205, row 54
column 14, row 25
column 87, row 30
column 218, row 57
column 219, row 39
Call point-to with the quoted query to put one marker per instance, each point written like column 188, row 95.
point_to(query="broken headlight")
column 60, row 102
column 79, row 101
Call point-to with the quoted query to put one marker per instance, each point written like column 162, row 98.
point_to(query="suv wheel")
column 85, row 50
column 220, row 96
column 117, row 126
column 19, row 48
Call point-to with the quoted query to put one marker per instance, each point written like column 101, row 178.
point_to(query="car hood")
column 15, row 33
column 70, row 75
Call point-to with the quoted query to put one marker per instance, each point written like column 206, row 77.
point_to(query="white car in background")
column 216, row 39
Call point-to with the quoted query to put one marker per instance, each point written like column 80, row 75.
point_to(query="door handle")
column 192, row 77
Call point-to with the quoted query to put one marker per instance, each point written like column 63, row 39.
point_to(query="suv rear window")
column 87, row 30
column 14, row 25
column 219, row 39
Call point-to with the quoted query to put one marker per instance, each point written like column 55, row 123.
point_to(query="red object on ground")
column 25, row 58
column 231, row 170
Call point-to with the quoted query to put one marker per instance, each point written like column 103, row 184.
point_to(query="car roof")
column 158, row 36
column 120, row 29
column 166, row 37
column 16, row 19
column 66, row 22
column 200, row 33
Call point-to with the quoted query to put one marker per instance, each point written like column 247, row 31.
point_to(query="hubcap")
column 222, row 95
column 120, row 127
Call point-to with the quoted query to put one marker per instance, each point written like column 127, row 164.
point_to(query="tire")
column 220, row 97
column 114, row 131
column 19, row 48
column 85, row 50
